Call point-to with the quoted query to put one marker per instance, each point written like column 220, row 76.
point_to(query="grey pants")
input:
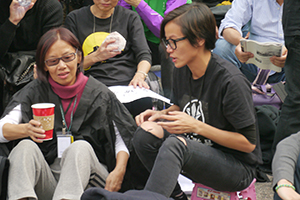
column 30, row 176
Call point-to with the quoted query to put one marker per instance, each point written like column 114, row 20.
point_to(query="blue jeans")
column 226, row 50
column 166, row 158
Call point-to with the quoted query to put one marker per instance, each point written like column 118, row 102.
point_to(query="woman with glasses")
column 85, row 110
column 209, row 134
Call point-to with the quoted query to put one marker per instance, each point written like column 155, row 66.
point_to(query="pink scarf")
column 68, row 93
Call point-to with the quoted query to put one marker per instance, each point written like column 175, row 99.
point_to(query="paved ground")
column 264, row 190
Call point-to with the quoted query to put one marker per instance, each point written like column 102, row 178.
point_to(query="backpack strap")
column 262, row 77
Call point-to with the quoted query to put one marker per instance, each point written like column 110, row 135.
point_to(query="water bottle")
column 24, row 3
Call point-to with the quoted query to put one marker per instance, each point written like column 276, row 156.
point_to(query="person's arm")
column 236, row 17
column 153, row 115
column 11, row 129
column 286, row 192
column 151, row 18
column 9, row 27
column 284, row 164
column 183, row 123
column 141, row 74
column 115, row 178
column 141, row 51
column 52, row 15
column 233, row 36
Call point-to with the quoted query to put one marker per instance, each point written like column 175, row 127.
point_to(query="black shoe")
column 181, row 196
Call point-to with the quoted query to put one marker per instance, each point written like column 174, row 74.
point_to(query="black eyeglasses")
column 172, row 42
column 66, row 58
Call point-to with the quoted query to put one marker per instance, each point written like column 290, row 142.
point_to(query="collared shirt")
column 265, row 16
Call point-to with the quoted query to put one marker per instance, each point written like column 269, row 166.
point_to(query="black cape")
column 93, row 119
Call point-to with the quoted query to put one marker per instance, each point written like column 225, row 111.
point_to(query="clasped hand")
column 175, row 122
column 33, row 130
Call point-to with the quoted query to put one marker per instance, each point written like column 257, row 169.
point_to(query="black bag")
column 154, row 84
column 4, row 165
column 18, row 71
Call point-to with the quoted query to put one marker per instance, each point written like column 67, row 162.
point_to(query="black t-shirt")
column 221, row 98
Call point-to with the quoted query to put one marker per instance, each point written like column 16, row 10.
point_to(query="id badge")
column 63, row 142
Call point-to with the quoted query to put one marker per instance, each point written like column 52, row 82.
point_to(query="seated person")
column 205, row 135
column 265, row 26
column 22, row 27
column 101, row 126
column 91, row 25
column 286, row 168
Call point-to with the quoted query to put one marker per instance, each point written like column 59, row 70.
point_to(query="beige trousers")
column 31, row 177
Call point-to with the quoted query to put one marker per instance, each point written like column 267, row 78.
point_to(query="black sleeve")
column 7, row 33
column 138, row 39
column 52, row 15
column 249, row 132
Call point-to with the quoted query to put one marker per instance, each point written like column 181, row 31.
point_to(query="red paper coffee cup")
column 44, row 113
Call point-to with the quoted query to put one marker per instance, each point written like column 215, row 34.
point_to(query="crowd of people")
column 210, row 132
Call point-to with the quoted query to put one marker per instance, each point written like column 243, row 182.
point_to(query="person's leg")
column 201, row 163
column 29, row 174
column 138, row 106
column 277, row 77
column 226, row 50
column 146, row 141
column 78, row 164
column 289, row 121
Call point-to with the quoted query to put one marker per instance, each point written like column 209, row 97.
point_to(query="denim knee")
column 226, row 50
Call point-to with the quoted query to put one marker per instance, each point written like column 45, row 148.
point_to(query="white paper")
column 63, row 142
column 127, row 94
column 186, row 184
column 262, row 52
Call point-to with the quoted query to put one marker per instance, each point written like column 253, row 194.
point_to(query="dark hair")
column 47, row 40
column 196, row 21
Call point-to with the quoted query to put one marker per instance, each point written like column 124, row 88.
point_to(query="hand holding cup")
column 44, row 113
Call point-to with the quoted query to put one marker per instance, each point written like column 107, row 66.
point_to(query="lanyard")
column 63, row 114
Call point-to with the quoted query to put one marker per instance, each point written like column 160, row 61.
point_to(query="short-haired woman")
column 210, row 133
